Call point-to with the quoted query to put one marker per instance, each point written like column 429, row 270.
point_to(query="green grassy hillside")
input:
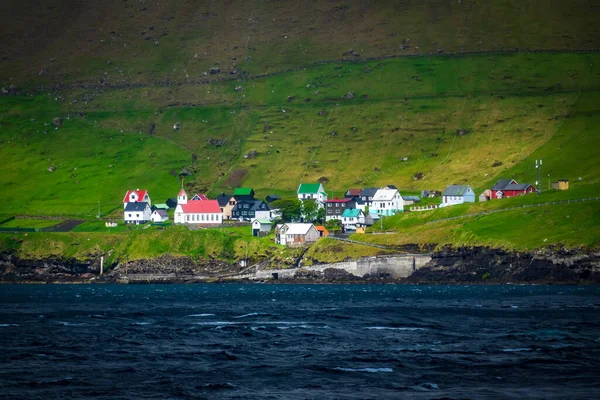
column 324, row 90
column 405, row 118
column 126, row 41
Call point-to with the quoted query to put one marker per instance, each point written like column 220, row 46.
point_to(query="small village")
column 317, row 214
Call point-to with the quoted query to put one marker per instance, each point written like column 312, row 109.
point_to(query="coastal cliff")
column 477, row 265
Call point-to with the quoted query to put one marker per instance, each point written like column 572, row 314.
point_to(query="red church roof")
column 140, row 193
column 345, row 200
column 201, row 206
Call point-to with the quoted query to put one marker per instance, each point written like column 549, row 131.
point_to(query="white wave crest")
column 201, row 315
column 5, row 325
column 519, row 349
column 370, row 370
column 400, row 328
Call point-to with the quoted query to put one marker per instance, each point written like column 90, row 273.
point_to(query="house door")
column 255, row 232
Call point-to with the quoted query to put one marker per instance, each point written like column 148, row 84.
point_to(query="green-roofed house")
column 457, row 194
column 313, row 191
column 161, row 206
column 261, row 227
column 243, row 194
column 353, row 217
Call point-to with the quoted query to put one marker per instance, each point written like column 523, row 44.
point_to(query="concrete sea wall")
column 396, row 267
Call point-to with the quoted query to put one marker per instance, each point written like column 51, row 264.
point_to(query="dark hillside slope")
column 144, row 41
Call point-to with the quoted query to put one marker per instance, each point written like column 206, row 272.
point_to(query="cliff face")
column 484, row 265
column 52, row 269
column 465, row 265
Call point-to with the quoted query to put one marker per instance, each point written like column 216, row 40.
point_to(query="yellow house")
column 226, row 203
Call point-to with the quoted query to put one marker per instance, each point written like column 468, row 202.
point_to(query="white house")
column 261, row 227
column 137, row 213
column 457, row 194
column 159, row 216
column 136, row 196
column 313, row 191
column 386, row 201
column 296, row 235
column 352, row 217
column 197, row 211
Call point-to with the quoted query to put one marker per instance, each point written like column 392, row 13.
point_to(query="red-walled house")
column 518, row 189
column 497, row 189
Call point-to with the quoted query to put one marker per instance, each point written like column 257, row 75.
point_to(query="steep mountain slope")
column 282, row 118
column 145, row 41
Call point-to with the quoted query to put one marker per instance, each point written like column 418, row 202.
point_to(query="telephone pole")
column 538, row 167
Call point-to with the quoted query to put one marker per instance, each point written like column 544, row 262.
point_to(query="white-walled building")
column 313, row 191
column 136, row 196
column 296, row 235
column 159, row 216
column 137, row 213
column 197, row 211
column 386, row 201
column 457, row 194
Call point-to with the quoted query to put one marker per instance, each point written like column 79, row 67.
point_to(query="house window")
column 337, row 211
column 187, row 217
column 212, row 217
column 137, row 215
column 337, row 204
column 129, row 215
column 329, row 205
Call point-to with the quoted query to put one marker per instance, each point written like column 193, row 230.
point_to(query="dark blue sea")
column 230, row 341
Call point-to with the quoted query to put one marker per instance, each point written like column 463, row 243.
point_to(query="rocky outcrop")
column 52, row 269
column 485, row 265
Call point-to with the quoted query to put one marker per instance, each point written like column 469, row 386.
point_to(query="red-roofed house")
column 199, row 197
column 197, row 211
column 136, row 196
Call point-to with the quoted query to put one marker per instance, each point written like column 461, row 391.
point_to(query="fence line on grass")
column 549, row 203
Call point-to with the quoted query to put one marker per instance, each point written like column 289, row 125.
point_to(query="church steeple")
column 182, row 196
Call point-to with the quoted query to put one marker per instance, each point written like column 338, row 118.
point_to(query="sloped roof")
column 223, row 199
column 199, row 196
column 321, row 228
column 456, row 190
column 344, row 200
column 354, row 192
column 411, row 198
column 298, row 229
column 368, row 192
column 161, row 213
column 161, row 206
column 201, row 206
column 501, row 184
column 257, row 204
column 243, row 192
column 182, row 193
column 309, row 188
column 139, row 206
column 351, row 212
column 518, row 186
column 140, row 193
column 263, row 221
column 385, row 194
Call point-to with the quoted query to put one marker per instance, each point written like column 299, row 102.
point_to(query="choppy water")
column 299, row 342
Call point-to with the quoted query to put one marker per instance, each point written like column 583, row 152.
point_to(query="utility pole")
column 538, row 166
column 548, row 181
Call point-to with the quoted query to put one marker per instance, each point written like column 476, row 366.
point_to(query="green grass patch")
column 29, row 223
